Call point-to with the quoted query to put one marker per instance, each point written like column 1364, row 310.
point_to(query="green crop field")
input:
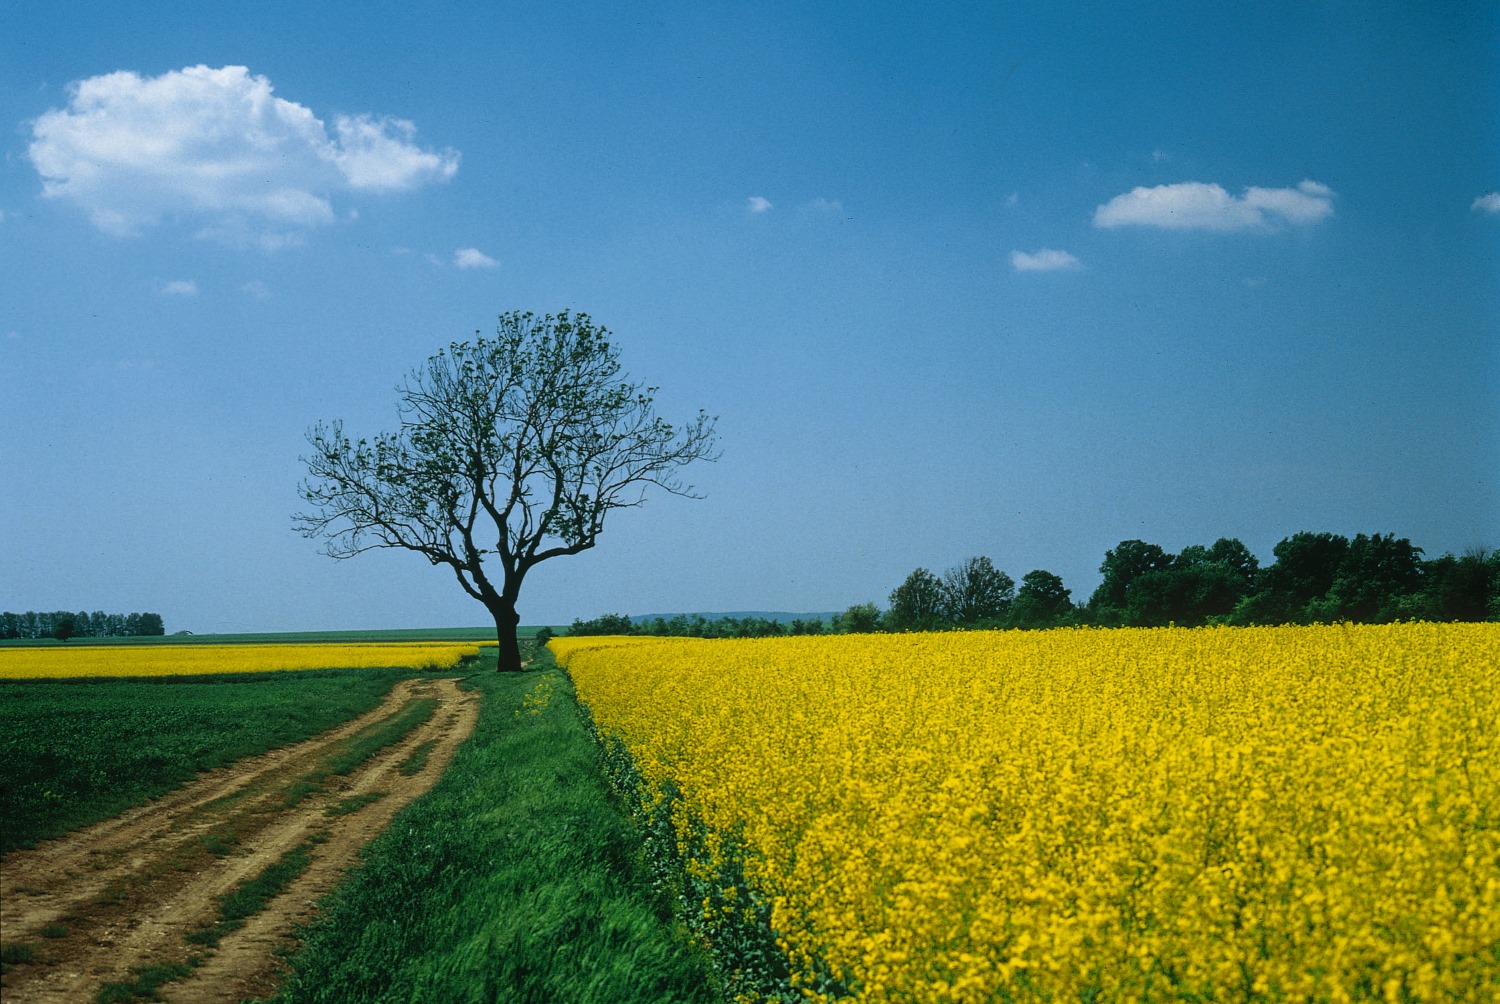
column 78, row 752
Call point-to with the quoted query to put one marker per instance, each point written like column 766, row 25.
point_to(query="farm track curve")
column 102, row 902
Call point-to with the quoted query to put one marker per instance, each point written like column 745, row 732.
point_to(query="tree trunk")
column 506, row 620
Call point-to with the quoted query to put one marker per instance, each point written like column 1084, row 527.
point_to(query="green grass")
column 367, row 742
column 354, row 803
column 516, row 878
column 415, row 763
column 351, row 752
column 251, row 896
column 147, row 980
column 75, row 752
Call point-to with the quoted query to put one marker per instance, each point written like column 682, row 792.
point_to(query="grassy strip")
column 354, row 803
column 361, row 746
column 251, row 896
column 367, row 742
column 148, row 979
column 76, row 753
column 516, row 878
column 418, row 759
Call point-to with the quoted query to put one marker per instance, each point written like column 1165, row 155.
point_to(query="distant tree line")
column 1315, row 578
column 63, row 624
column 697, row 626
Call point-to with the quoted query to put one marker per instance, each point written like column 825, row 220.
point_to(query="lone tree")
column 511, row 451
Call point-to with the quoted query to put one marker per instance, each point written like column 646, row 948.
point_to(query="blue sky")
column 959, row 279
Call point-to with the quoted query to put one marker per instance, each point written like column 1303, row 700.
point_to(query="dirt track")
column 122, row 894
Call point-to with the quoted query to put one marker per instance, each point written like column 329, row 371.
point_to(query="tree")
column 1041, row 602
column 1199, row 584
column 64, row 626
column 917, row 604
column 1377, row 581
column 1305, row 567
column 1129, row 560
column 511, row 451
column 977, row 592
column 1458, row 588
column 862, row 618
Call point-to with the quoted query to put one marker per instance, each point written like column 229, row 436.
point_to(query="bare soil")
column 101, row 903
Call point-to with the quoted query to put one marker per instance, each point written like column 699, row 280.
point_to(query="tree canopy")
column 511, row 451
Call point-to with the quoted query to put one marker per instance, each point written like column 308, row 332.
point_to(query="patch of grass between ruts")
column 418, row 759
column 251, row 896
column 516, row 878
column 148, row 979
column 358, row 748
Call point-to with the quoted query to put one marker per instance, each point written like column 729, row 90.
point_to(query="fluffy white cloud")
column 1487, row 203
column 473, row 258
column 179, row 287
column 757, row 204
column 217, row 147
column 1045, row 260
column 1194, row 205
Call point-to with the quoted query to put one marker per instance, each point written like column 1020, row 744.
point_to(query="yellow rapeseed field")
column 182, row 659
column 1218, row 814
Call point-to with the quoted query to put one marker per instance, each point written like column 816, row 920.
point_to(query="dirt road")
column 100, row 905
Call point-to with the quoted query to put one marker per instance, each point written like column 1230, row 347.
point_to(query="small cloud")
column 1487, row 203
column 216, row 148
column 829, row 207
column 179, row 287
column 1194, row 205
column 1045, row 260
column 473, row 258
column 757, row 204
column 256, row 289
column 1012, row 200
column 1158, row 155
column 14, row 336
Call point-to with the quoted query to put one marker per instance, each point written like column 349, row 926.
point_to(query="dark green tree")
column 1199, row 585
column 1041, row 601
column 1306, row 565
column 918, row 604
column 64, row 626
column 1378, row 581
column 977, row 593
column 1128, row 561
column 862, row 618
column 511, row 451
column 1456, row 588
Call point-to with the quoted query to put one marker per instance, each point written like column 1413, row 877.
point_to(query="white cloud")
column 1045, row 260
column 1487, row 203
column 179, row 287
column 256, row 289
column 757, row 204
column 1194, row 205
column 473, row 258
column 215, row 146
